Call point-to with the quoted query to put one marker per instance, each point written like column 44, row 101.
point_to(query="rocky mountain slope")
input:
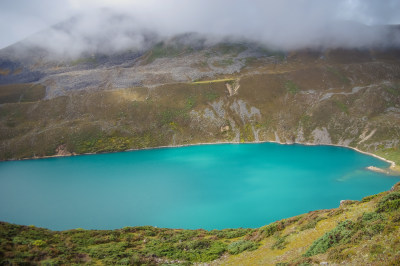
column 188, row 89
column 185, row 91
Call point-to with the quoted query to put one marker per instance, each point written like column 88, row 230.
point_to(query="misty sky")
column 286, row 23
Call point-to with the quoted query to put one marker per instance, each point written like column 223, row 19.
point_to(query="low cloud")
column 112, row 26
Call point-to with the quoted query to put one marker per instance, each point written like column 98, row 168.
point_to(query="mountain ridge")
column 190, row 89
column 313, row 82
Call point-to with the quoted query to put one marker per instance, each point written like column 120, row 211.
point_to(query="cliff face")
column 221, row 93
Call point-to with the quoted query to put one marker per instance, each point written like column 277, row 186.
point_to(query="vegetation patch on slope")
column 365, row 232
column 15, row 93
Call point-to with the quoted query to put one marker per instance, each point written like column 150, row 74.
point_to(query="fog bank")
column 113, row 26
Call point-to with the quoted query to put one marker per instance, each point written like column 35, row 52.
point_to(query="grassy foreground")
column 358, row 232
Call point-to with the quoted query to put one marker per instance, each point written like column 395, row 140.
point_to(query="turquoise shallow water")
column 208, row 186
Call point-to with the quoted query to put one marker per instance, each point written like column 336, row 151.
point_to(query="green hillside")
column 301, row 98
column 358, row 232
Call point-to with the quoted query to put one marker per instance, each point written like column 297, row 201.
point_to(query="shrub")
column 377, row 228
column 39, row 243
column 396, row 218
column 312, row 224
column 368, row 198
column 389, row 203
column 280, row 243
column 241, row 245
column 111, row 250
column 371, row 216
column 340, row 234
column 270, row 229
column 231, row 233
column 340, row 253
column 20, row 240
column 376, row 249
column 215, row 251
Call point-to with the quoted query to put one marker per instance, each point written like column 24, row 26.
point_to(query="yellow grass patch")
column 298, row 241
column 212, row 81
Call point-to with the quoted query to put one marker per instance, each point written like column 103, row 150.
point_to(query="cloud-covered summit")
column 112, row 26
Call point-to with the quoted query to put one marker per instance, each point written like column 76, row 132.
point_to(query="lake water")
column 207, row 186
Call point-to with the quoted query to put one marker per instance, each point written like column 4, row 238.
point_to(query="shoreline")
column 391, row 168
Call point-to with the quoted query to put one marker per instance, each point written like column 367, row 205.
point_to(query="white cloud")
column 280, row 23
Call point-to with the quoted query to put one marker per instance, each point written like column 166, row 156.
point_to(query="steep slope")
column 356, row 233
column 174, row 94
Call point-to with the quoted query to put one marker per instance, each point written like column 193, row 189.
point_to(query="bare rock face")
column 277, row 139
column 300, row 136
column 62, row 151
column 321, row 136
column 240, row 108
column 225, row 128
column 232, row 89
column 364, row 137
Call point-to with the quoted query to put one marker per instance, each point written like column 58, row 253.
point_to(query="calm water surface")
column 209, row 186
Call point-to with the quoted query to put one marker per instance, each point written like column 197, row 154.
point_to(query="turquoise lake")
column 206, row 186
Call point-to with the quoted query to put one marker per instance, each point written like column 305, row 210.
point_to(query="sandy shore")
column 392, row 169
